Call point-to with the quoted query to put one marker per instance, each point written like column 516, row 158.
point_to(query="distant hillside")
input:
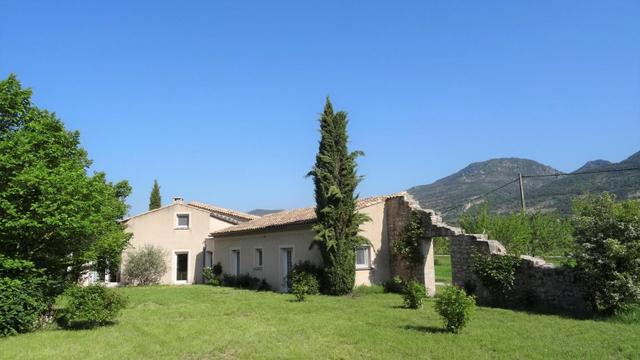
column 542, row 193
column 263, row 212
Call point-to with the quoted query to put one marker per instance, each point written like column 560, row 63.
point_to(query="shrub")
column 89, row 306
column 245, row 281
column 303, row 284
column 607, row 235
column 145, row 266
column 455, row 307
column 395, row 285
column 209, row 277
column 414, row 294
column 24, row 296
column 217, row 270
column 264, row 286
column 534, row 234
column 496, row 272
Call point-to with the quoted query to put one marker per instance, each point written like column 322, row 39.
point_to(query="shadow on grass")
column 427, row 329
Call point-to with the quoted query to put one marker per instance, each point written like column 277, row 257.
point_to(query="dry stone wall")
column 537, row 284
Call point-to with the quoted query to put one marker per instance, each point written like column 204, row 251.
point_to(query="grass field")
column 443, row 268
column 203, row 322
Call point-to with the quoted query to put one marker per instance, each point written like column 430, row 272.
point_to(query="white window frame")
column 367, row 257
column 176, row 223
column 174, row 266
column 257, row 265
column 232, row 259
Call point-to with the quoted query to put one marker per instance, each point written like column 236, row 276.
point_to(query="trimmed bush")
column 245, row 281
column 145, row 266
column 414, row 294
column 89, row 306
column 455, row 307
column 217, row 270
column 23, row 296
column 303, row 284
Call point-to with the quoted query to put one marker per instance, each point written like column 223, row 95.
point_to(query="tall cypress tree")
column 336, row 179
column 155, row 201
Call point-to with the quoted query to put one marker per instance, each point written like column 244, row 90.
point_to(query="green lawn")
column 203, row 322
column 443, row 268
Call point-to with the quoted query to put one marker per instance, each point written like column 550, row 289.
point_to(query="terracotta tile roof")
column 239, row 215
column 290, row 217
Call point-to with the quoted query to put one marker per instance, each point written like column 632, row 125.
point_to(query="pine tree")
column 335, row 179
column 155, row 201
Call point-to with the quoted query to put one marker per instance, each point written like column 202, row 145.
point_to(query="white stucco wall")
column 299, row 238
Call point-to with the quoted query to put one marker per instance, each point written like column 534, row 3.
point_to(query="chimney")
column 178, row 200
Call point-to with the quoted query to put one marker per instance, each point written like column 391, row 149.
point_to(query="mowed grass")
column 203, row 322
column 443, row 268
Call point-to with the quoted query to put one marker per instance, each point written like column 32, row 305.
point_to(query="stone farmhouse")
column 196, row 235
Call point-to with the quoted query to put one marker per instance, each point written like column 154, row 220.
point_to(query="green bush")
column 455, row 307
column 303, row 284
column 217, row 270
column 368, row 289
column 395, row 285
column 497, row 273
column 145, row 266
column 535, row 234
column 245, row 281
column 209, row 277
column 607, row 235
column 24, row 296
column 414, row 294
column 89, row 306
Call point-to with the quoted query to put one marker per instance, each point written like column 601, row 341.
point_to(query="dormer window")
column 182, row 221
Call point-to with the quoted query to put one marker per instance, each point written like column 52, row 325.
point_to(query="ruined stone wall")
column 545, row 286
column 537, row 284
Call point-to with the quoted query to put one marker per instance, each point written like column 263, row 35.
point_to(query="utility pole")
column 524, row 208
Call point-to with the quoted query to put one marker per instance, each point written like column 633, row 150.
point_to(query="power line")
column 479, row 196
column 581, row 173
column 533, row 176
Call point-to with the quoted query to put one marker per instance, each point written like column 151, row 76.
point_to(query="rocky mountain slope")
column 458, row 192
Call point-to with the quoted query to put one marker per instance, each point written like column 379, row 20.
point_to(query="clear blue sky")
column 219, row 100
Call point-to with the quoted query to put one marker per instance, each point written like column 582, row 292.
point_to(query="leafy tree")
column 533, row 234
column 155, row 201
column 607, row 234
column 335, row 179
column 52, row 212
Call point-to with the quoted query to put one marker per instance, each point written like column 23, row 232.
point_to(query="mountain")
column 263, row 212
column 458, row 192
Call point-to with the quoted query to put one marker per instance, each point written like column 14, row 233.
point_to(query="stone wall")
column 537, row 284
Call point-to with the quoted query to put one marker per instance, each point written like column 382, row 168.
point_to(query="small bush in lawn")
column 303, row 284
column 90, row 306
column 628, row 314
column 414, row 294
column 145, row 266
column 23, row 296
column 264, row 286
column 368, row 289
column 455, row 307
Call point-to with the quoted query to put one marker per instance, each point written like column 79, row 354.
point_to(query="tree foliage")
column 535, row 234
column 335, row 179
column 155, row 201
column 145, row 266
column 607, row 234
column 52, row 212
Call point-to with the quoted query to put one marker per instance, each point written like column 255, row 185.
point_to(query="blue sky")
column 219, row 100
